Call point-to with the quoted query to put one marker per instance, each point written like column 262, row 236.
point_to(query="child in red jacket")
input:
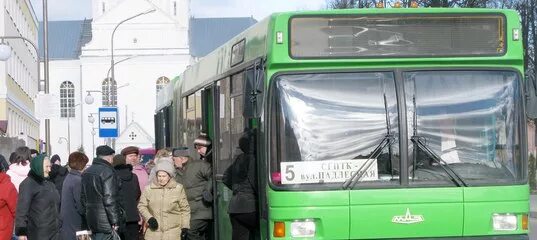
column 8, row 201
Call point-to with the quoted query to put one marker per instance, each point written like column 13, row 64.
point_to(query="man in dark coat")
column 57, row 172
column 241, row 178
column 37, row 215
column 99, row 195
column 196, row 178
column 129, row 192
column 71, row 207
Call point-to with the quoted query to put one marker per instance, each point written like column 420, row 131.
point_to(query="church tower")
column 176, row 9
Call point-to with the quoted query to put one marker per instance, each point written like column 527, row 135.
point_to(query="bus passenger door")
column 221, row 148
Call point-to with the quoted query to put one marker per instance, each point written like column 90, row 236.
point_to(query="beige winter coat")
column 169, row 206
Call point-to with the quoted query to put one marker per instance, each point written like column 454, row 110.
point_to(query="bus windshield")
column 325, row 127
column 470, row 120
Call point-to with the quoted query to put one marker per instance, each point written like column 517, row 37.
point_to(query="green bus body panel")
column 328, row 209
column 482, row 202
column 372, row 212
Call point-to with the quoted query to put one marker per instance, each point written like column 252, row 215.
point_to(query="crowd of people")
column 116, row 197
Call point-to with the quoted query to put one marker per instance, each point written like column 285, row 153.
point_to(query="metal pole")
column 45, row 59
column 81, row 110
column 93, row 140
column 69, row 131
column 109, row 97
column 112, row 44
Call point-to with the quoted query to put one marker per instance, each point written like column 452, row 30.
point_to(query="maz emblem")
column 408, row 218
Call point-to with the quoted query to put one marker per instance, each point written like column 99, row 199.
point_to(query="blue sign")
column 108, row 122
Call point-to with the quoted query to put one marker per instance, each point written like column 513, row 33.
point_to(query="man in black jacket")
column 99, row 195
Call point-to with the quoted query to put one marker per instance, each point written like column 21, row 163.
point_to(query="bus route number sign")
column 328, row 171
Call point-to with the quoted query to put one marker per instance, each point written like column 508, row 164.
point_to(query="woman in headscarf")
column 8, row 201
column 37, row 214
column 164, row 205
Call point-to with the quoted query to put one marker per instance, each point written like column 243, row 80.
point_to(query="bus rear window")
column 396, row 36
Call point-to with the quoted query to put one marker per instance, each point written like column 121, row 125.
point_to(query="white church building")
column 148, row 50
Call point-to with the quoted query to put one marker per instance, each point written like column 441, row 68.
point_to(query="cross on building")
column 132, row 135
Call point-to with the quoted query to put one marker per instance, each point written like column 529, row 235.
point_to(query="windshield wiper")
column 386, row 141
column 452, row 174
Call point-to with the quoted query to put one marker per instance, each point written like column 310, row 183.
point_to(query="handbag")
column 83, row 235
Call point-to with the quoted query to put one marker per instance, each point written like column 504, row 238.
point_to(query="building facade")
column 19, row 76
column 148, row 50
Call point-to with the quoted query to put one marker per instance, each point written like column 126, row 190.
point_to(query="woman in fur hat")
column 164, row 205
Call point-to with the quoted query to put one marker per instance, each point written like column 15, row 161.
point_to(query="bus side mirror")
column 531, row 97
column 253, row 92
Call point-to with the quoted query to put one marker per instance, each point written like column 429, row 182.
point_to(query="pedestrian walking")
column 37, row 215
column 71, row 208
column 20, row 166
column 129, row 192
column 58, row 173
column 195, row 176
column 241, row 178
column 132, row 154
column 164, row 206
column 8, row 201
column 99, row 195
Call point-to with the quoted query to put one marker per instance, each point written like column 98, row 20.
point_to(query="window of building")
column 162, row 82
column 104, row 7
column 175, row 8
column 109, row 89
column 67, row 99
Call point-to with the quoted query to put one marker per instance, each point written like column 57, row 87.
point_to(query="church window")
column 162, row 82
column 67, row 99
column 104, row 7
column 109, row 89
column 175, row 8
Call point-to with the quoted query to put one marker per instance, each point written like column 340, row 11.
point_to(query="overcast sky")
column 80, row 9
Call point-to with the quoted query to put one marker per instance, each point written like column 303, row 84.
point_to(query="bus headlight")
column 303, row 228
column 504, row 222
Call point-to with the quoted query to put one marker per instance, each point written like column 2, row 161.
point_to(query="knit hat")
column 36, row 165
column 130, row 150
column 202, row 140
column 104, row 150
column 167, row 167
column 55, row 158
column 181, row 152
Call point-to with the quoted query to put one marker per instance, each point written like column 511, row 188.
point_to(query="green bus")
column 370, row 123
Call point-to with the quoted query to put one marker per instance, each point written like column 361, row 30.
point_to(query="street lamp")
column 118, row 62
column 112, row 41
column 66, row 140
column 89, row 99
column 91, row 119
